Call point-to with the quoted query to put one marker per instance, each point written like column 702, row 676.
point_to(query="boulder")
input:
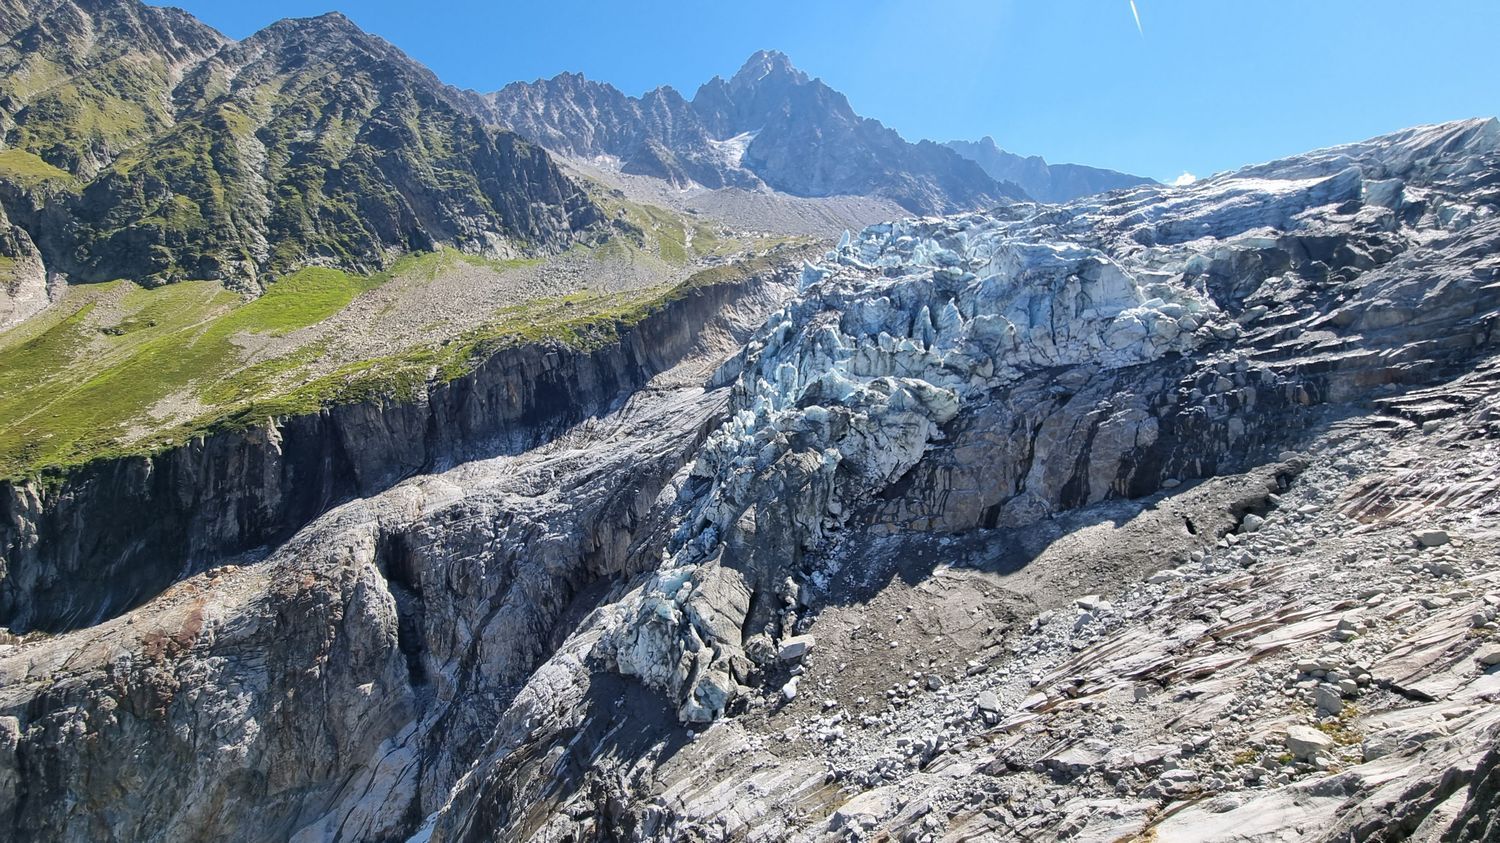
column 1306, row 742
column 867, row 809
column 1328, row 699
column 1432, row 538
column 795, row 647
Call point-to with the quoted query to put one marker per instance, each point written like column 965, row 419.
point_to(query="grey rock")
column 795, row 647
column 1042, row 181
column 1328, row 699
column 1305, row 742
column 1432, row 538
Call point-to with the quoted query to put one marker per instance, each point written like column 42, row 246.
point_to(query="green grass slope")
column 118, row 369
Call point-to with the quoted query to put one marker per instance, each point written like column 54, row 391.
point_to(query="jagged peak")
column 331, row 29
column 764, row 63
column 334, row 32
column 567, row 80
column 664, row 92
column 327, row 21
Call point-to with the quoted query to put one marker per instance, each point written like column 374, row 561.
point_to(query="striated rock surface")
column 1086, row 521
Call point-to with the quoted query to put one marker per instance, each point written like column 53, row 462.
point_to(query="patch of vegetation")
column 28, row 170
column 705, row 239
column 1341, row 728
column 656, row 231
column 117, row 369
column 107, row 109
column 70, row 393
column 584, row 321
column 33, row 75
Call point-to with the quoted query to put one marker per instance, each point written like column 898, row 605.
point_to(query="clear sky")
column 1205, row 85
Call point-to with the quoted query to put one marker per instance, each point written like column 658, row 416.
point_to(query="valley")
column 386, row 461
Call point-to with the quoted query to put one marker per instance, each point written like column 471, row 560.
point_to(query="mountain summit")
column 768, row 125
column 764, row 63
column 139, row 143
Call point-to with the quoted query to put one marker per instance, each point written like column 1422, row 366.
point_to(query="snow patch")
column 732, row 150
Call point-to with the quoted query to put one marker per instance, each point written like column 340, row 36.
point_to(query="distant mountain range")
column 769, row 125
column 1042, row 181
column 140, row 143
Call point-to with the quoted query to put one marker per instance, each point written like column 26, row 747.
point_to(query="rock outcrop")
column 1086, row 521
column 117, row 532
column 23, row 278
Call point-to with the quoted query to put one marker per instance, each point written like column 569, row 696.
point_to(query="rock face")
column 1083, row 370
column 658, row 135
column 769, row 125
column 142, row 144
column 1042, row 181
column 361, row 598
column 23, row 279
column 120, row 531
column 956, row 543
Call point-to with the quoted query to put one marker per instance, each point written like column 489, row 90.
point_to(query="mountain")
column 141, row 144
column 85, row 80
column 1042, row 181
column 659, row 134
column 770, row 124
column 1164, row 514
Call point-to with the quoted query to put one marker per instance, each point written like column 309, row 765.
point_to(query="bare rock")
column 1305, row 742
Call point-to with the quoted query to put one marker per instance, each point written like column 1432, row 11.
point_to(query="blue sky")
column 1210, row 85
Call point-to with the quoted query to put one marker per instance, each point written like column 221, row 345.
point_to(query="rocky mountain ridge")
column 768, row 125
column 1042, row 181
column 1166, row 512
column 141, row 144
